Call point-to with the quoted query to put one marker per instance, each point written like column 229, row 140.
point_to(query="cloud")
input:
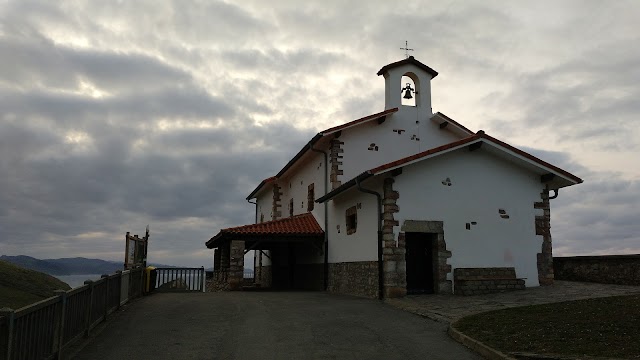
column 116, row 115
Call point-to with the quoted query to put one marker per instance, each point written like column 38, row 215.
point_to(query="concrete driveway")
column 269, row 325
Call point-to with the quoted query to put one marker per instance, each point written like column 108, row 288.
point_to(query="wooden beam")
column 444, row 124
column 475, row 146
column 337, row 134
column 396, row 172
column 252, row 246
column 382, row 119
column 547, row 177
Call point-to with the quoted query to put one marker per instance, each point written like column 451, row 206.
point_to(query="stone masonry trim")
column 443, row 286
column 335, row 158
column 543, row 228
column 395, row 266
column 276, row 205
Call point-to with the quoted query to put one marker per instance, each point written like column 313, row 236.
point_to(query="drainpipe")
column 325, row 269
column 255, row 217
column 380, row 262
column 255, row 221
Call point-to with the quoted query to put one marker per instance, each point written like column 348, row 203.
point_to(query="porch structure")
column 281, row 243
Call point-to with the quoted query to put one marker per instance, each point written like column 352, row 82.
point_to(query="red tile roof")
column 262, row 183
column 450, row 120
column 417, row 156
column 440, row 149
column 480, row 135
column 315, row 139
column 304, row 225
column 358, row 121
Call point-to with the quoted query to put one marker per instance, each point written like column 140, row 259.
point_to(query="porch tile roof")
column 303, row 225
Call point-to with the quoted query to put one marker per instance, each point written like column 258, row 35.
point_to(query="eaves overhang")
column 259, row 187
column 474, row 141
column 410, row 60
column 309, row 145
column 446, row 122
column 349, row 184
column 303, row 226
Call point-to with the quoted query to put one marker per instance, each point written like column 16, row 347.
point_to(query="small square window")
column 310, row 197
column 351, row 220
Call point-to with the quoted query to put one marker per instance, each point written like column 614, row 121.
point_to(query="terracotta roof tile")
column 315, row 139
column 304, row 225
column 358, row 121
column 450, row 120
column 436, row 151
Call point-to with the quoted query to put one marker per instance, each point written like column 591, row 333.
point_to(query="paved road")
column 269, row 325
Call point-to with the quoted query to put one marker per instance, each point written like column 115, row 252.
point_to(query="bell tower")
column 419, row 92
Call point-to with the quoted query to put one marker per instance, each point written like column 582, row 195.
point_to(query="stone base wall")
column 218, row 281
column 607, row 269
column 354, row 278
column 476, row 281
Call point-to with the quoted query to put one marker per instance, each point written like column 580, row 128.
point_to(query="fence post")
column 60, row 326
column 10, row 315
column 89, row 308
column 203, row 283
column 106, row 295
column 119, row 272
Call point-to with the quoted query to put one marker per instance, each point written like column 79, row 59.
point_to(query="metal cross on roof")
column 406, row 49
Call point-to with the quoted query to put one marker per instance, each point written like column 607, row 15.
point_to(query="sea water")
column 77, row 280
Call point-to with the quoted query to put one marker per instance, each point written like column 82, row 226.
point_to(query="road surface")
column 268, row 325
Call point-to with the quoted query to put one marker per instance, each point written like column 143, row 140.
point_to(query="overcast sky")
column 119, row 114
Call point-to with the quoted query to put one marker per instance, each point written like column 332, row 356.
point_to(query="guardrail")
column 178, row 279
column 45, row 329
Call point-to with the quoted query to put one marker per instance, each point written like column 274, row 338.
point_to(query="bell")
column 407, row 94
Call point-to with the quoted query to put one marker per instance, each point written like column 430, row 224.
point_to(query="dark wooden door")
column 419, row 257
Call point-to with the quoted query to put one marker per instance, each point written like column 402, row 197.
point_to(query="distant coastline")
column 77, row 280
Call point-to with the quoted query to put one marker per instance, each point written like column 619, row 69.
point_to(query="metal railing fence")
column 178, row 279
column 45, row 329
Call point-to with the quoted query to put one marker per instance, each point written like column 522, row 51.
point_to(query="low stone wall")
column 354, row 278
column 476, row 281
column 218, row 281
column 607, row 269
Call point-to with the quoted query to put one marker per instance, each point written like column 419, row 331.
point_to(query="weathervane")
column 406, row 49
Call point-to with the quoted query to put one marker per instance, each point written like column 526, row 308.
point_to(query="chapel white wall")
column 363, row 244
column 480, row 185
column 411, row 136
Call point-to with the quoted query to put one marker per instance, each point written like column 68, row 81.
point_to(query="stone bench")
column 476, row 281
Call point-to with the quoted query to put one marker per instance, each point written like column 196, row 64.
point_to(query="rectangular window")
column 351, row 220
column 291, row 207
column 310, row 198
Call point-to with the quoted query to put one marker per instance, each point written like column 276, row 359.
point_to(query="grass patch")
column 608, row 327
column 20, row 287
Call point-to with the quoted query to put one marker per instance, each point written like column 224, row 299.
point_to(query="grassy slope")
column 20, row 287
column 595, row 327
